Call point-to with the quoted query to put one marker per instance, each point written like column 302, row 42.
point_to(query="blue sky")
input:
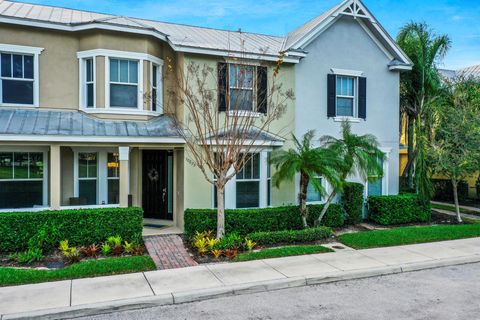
column 459, row 19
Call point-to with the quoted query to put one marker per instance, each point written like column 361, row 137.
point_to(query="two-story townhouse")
column 85, row 122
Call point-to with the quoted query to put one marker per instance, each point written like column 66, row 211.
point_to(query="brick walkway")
column 168, row 252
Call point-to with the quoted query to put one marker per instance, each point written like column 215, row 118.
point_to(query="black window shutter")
column 262, row 87
column 362, row 97
column 331, row 95
column 222, row 86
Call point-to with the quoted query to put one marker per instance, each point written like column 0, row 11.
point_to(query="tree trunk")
column 302, row 198
column 220, row 210
column 325, row 208
column 410, row 146
column 455, row 199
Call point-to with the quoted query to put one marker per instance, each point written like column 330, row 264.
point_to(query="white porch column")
column 55, row 177
column 124, row 155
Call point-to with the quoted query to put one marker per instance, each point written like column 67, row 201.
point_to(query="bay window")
column 123, row 83
column 87, row 75
column 22, row 182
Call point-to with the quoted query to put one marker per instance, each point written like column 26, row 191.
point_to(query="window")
column 124, row 76
column 21, row 180
column 375, row 185
column 248, row 183
column 17, row 77
column 87, row 177
column 89, row 86
column 345, row 96
column 156, row 93
column 241, row 87
column 312, row 194
column 113, row 178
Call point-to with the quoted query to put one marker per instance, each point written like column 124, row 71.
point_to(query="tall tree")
column 418, row 89
column 310, row 162
column 220, row 134
column 456, row 144
column 360, row 155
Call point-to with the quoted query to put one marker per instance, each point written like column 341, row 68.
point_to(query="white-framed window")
column 113, row 178
column 156, row 103
column 88, row 82
column 312, row 194
column 248, row 183
column 378, row 186
column 242, row 86
column 124, row 89
column 346, row 101
column 88, row 177
column 19, row 79
column 23, row 179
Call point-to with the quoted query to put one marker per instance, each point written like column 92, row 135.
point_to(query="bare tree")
column 224, row 122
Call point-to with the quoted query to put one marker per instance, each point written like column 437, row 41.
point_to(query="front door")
column 155, row 184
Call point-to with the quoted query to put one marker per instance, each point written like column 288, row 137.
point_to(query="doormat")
column 156, row 226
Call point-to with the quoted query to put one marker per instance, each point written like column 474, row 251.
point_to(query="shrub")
column 80, row 227
column 291, row 236
column 245, row 221
column 443, row 190
column 398, row 209
column 352, row 200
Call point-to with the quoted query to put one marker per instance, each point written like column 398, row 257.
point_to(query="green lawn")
column 281, row 252
column 449, row 207
column 85, row 269
column 409, row 235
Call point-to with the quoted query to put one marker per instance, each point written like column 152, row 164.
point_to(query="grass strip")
column 408, row 235
column 282, row 252
column 452, row 208
column 84, row 269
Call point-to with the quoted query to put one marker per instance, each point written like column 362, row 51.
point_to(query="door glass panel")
column 113, row 191
column 88, row 191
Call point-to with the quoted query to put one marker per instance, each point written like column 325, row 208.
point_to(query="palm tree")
column 359, row 154
column 309, row 162
column 418, row 89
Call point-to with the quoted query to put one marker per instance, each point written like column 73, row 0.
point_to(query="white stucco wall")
column 346, row 45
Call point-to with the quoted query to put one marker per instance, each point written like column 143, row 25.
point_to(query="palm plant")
column 418, row 89
column 309, row 162
column 359, row 153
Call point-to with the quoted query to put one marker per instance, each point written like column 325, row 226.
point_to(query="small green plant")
column 128, row 247
column 216, row 253
column 106, row 249
column 72, row 255
column 63, row 247
column 249, row 244
column 114, row 241
column 230, row 241
column 46, row 238
column 138, row 250
column 28, row 257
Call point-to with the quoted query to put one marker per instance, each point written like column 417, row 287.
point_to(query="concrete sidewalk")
column 84, row 297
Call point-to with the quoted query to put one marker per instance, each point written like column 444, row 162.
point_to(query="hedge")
column 291, row 236
column 398, row 209
column 79, row 226
column 352, row 200
column 443, row 190
column 245, row 221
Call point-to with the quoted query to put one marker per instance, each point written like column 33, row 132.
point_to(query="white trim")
column 404, row 67
column 119, row 54
column 348, row 119
column 159, row 87
column 346, row 72
column 244, row 113
column 83, row 82
column 107, row 139
column 93, row 206
column 253, row 143
column 34, row 209
column 123, row 153
column 25, row 50
column 125, row 111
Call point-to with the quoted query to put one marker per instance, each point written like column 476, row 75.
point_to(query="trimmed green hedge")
column 352, row 200
column 245, row 221
column 398, row 209
column 291, row 236
column 79, row 226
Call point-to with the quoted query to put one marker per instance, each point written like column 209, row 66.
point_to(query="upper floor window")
column 17, row 78
column 241, row 85
column 123, row 83
column 156, row 98
column 346, row 96
column 87, row 75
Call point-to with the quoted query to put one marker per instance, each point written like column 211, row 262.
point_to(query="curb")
column 231, row 290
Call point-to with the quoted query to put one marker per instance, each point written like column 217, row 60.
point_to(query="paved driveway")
column 444, row 293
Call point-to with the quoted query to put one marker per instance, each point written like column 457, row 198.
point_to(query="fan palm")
column 309, row 162
column 419, row 88
column 359, row 153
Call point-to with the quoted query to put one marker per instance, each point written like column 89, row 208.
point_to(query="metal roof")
column 74, row 123
column 472, row 71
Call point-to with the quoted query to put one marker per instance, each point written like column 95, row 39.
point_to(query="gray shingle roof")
column 74, row 123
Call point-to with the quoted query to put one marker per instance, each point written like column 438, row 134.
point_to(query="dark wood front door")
column 155, row 184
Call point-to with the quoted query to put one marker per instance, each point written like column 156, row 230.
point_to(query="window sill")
column 93, row 206
column 15, row 105
column 348, row 119
column 243, row 113
column 120, row 111
column 31, row 209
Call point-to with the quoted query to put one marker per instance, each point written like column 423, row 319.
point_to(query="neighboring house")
column 351, row 71
column 85, row 121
